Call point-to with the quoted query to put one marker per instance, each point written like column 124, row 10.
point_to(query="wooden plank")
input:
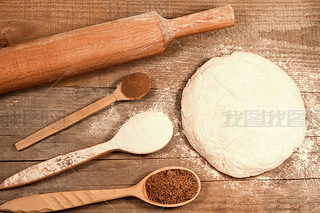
column 191, row 56
column 23, row 113
column 109, row 173
column 304, row 163
column 229, row 194
column 293, row 46
column 284, row 31
column 43, row 18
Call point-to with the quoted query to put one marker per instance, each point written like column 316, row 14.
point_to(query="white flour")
column 145, row 133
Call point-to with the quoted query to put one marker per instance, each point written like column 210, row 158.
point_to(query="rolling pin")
column 52, row 58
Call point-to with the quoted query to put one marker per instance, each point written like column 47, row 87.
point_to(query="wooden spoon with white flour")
column 144, row 133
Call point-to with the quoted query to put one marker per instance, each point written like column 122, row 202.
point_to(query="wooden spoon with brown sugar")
column 176, row 194
column 133, row 87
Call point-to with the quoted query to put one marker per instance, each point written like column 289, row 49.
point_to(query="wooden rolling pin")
column 55, row 57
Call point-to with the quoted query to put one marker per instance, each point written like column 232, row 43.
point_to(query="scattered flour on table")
column 307, row 159
column 304, row 152
column 202, row 166
column 303, row 163
column 165, row 100
column 100, row 126
column 251, row 187
column 187, row 151
column 190, row 156
column 228, row 49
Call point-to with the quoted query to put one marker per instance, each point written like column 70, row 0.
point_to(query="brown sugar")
column 135, row 85
column 172, row 186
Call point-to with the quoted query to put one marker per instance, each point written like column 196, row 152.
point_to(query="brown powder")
column 136, row 85
column 172, row 186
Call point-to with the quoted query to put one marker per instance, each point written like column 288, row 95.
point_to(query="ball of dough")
column 243, row 114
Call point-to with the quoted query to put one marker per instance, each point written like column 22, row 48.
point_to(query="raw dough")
column 249, row 87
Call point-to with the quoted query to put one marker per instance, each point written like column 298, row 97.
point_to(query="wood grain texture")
column 57, row 201
column 20, row 118
column 284, row 31
column 53, row 58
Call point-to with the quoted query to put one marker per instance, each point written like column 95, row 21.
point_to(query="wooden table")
column 285, row 31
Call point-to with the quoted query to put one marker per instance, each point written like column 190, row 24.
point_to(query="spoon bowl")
column 141, row 191
column 66, row 200
column 144, row 133
column 133, row 87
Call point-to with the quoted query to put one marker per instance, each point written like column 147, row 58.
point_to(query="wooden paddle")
column 55, row 57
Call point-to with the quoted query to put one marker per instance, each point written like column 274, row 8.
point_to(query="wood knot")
column 4, row 42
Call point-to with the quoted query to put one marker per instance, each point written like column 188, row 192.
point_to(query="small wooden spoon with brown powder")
column 133, row 87
column 166, row 187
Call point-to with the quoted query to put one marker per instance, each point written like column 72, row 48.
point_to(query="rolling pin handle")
column 204, row 21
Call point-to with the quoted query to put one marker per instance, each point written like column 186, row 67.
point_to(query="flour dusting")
column 100, row 126
column 306, row 163
column 55, row 165
column 165, row 100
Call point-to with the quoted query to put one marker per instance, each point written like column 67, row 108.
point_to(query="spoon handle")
column 63, row 200
column 65, row 122
column 57, row 165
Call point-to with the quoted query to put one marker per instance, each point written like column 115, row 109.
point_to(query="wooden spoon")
column 65, row 200
column 133, row 87
column 144, row 133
